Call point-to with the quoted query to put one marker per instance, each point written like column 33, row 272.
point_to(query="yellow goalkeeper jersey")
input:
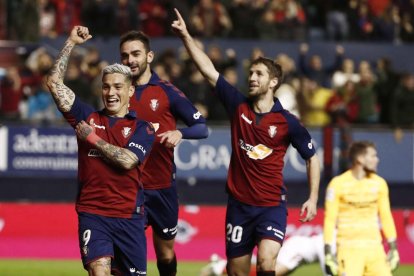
column 357, row 210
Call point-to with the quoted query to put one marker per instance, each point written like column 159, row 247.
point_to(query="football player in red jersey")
column 112, row 147
column 161, row 103
column 261, row 132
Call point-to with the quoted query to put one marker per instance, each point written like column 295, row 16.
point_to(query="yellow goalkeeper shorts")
column 357, row 261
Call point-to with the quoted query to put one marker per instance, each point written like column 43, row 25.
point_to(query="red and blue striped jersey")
column 105, row 189
column 162, row 104
column 259, row 143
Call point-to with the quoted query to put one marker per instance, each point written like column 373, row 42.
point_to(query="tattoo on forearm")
column 61, row 63
column 62, row 94
column 117, row 155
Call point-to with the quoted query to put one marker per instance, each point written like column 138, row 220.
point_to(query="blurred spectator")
column 402, row 104
column 287, row 97
column 345, row 74
column 41, row 107
column 387, row 25
column 153, row 17
column 47, row 16
column 23, row 20
column 91, row 63
column 68, row 15
column 209, row 18
column 343, row 106
column 290, row 75
column 77, row 82
column 99, row 16
column 367, row 96
column 362, row 21
column 266, row 25
column 197, row 90
column 315, row 70
column 336, row 19
column 39, row 61
column 315, row 99
column 126, row 16
column 406, row 28
column 10, row 94
column 239, row 11
column 221, row 62
column 387, row 81
column 290, row 19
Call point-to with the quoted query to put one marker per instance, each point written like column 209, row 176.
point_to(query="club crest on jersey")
column 126, row 131
column 154, row 104
column 272, row 131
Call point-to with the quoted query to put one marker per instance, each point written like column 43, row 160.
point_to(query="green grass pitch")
column 13, row 267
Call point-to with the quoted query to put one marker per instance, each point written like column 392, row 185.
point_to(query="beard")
column 142, row 68
column 369, row 171
column 259, row 92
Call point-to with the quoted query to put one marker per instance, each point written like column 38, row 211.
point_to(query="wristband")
column 92, row 138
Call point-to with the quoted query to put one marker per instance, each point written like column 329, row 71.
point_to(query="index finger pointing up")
column 178, row 15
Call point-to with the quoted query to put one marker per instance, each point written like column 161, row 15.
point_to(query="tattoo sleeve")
column 118, row 156
column 63, row 95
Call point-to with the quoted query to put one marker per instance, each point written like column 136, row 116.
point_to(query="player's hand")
column 308, row 211
column 331, row 265
column 171, row 138
column 393, row 256
column 86, row 132
column 178, row 25
column 79, row 35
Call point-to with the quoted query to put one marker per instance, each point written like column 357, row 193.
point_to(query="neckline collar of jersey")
column 154, row 80
column 277, row 107
column 130, row 115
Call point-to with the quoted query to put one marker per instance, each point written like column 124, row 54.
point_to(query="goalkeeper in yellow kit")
column 357, row 208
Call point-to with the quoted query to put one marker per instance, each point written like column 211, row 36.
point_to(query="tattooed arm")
column 63, row 95
column 118, row 156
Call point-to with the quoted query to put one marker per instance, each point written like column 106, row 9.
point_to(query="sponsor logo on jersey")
column 138, row 146
column 126, row 131
column 272, row 131
column 94, row 153
column 197, row 115
column 246, row 119
column 154, row 104
column 310, row 145
column 257, row 152
column 92, row 123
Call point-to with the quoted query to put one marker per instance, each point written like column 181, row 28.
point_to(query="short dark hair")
column 136, row 35
column 357, row 148
column 275, row 70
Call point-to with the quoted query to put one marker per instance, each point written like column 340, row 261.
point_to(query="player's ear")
column 274, row 82
column 131, row 90
column 150, row 56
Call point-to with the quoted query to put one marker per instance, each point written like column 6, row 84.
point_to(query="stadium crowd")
column 319, row 93
column 381, row 20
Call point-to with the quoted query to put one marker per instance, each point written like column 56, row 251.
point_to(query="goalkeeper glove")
column 393, row 257
column 331, row 266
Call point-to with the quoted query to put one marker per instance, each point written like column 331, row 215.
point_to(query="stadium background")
column 38, row 156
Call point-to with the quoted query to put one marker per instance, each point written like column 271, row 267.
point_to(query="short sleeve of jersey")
column 228, row 95
column 141, row 141
column 300, row 137
column 79, row 111
column 183, row 108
